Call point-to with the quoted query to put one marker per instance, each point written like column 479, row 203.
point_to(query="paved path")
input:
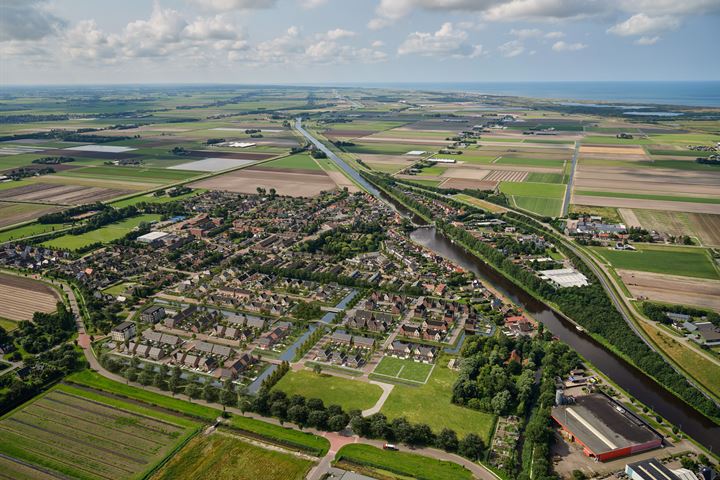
column 568, row 189
column 387, row 390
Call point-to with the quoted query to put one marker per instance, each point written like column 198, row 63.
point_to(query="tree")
column 209, row 393
column 279, row 409
column 315, row 404
column 318, row 419
column 471, row 446
column 360, row 425
column 298, row 414
column 173, row 384
column 338, row 422
column 317, row 368
column 447, row 440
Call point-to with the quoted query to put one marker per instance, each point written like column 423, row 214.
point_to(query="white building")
column 564, row 277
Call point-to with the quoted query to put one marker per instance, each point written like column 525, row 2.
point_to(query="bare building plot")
column 506, row 176
column 468, row 173
column 610, row 150
column 285, row 182
column 21, row 297
column 673, row 289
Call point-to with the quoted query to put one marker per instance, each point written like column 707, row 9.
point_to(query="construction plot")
column 672, row 289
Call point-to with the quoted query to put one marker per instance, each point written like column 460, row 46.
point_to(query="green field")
column 105, row 234
column 535, row 177
column 8, row 325
column 677, row 153
column 469, row 158
column 422, row 404
column 388, row 148
column 426, row 183
column 408, row 465
column 300, row 161
column 150, row 198
column 225, row 457
column 284, row 436
column 684, row 261
column 532, row 162
column 546, row 207
column 434, row 171
column 403, row 369
column 644, row 196
column 601, row 140
column 27, row 231
column 349, row 394
column 87, row 436
column 530, row 189
column 132, row 174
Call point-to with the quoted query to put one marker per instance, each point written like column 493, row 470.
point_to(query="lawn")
column 284, row 436
column 8, row 325
column 546, row 207
column 225, row 457
column 534, row 162
column 684, row 261
column 27, row 231
column 644, row 196
column 105, row 234
column 406, row 464
column 476, row 202
column 300, row 161
column 422, row 404
column 87, row 436
column 530, row 189
column 95, row 380
column 403, row 369
column 535, row 177
column 349, row 394
column 389, row 148
column 426, row 183
column 150, row 198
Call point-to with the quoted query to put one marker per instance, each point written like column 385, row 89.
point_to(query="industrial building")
column 652, row 469
column 564, row 277
column 603, row 428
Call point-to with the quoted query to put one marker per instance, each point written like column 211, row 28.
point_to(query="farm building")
column 564, row 277
column 152, row 237
column 604, row 429
column 708, row 333
column 416, row 153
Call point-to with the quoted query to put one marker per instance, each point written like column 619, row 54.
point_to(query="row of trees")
column 45, row 330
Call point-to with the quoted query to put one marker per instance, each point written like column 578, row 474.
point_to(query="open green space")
column 88, row 436
column 546, row 207
column 27, row 231
column 150, row 198
column 434, row 171
column 536, row 177
column 430, row 404
column 531, row 162
column 332, row 390
column 677, row 153
column 389, row 148
column 222, row 456
column 608, row 140
column 684, row 261
column 8, row 325
column 403, row 369
column 141, row 174
column 314, row 444
column 530, row 189
column 407, row 464
column 647, row 196
column 300, row 161
column 426, row 183
column 105, row 234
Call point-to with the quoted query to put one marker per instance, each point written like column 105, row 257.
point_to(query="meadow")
column 283, row 436
column 683, row 261
column 105, row 234
column 402, row 369
column 299, row 161
column 644, row 196
column 349, row 394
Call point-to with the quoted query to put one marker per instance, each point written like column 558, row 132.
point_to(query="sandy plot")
column 647, row 204
column 21, row 297
column 468, row 173
column 609, row 150
column 707, row 227
column 629, row 218
column 673, row 289
column 507, row 176
column 462, row 184
column 285, row 183
column 342, row 181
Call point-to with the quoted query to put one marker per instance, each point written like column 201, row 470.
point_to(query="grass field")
column 225, row 457
column 468, row 157
column 300, row 161
column 422, row 404
column 689, row 262
column 95, row 380
column 27, row 231
column 87, row 436
column 403, row 369
column 388, row 148
column 426, row 183
column 531, row 162
column 8, row 325
column 530, row 189
column 142, row 174
column 608, row 214
column 643, row 196
column 105, row 234
column 476, row 202
column 407, row 464
column 349, row 394
column 535, row 177
column 547, row 207
column 602, row 140
column 150, row 198
column 284, row 436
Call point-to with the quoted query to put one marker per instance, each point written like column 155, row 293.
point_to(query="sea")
column 694, row 94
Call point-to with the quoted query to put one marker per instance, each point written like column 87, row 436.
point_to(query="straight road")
column 568, row 189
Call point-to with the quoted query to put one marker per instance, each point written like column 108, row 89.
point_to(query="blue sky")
column 329, row 41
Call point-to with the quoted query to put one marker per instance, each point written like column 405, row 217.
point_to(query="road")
column 568, row 189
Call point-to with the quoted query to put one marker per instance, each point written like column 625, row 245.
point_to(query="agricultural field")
column 84, row 435
column 402, row 369
column 300, row 161
column 705, row 227
column 476, row 202
column 407, row 465
column 541, row 198
column 420, row 404
column 28, row 231
column 12, row 213
column 647, row 201
column 222, row 456
column 284, row 181
column 667, row 288
column 681, row 261
column 21, row 297
column 105, row 234
column 349, row 394
column 150, row 198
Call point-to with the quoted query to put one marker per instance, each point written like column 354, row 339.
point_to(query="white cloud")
column 312, row 3
column 230, row 5
column 543, row 10
column 642, row 24
column 526, row 32
column 377, row 44
column 512, row 48
column 555, row 34
column 27, row 20
column 339, row 33
column 645, row 41
column 562, row 46
column 447, row 41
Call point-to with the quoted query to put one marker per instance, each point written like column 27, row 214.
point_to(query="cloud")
column 543, row 10
column 339, row 33
column 446, row 42
column 312, row 3
column 642, row 24
column 512, row 48
column 555, row 34
column 377, row 44
column 231, row 5
column 27, row 20
column 526, row 32
column 562, row 46
column 645, row 41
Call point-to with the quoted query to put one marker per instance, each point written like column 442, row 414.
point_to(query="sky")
column 356, row 41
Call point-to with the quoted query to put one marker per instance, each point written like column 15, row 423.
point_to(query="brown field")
column 408, row 141
column 61, row 194
column 507, row 176
column 21, row 297
column 96, row 182
column 707, row 227
column 461, row 183
column 468, row 173
column 660, row 181
column 629, row 217
column 12, row 213
column 289, row 182
column 673, row 289
column 608, row 150
column 646, row 204
column 386, row 159
column 348, row 133
column 342, row 181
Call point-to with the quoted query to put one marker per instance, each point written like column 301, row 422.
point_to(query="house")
column 341, row 337
column 122, row 332
column 424, row 353
column 408, row 330
column 233, row 367
column 708, row 333
column 324, row 355
column 364, row 342
column 161, row 338
column 268, row 339
column 153, row 314
column 354, row 361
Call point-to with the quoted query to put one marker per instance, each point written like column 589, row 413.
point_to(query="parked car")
column 390, row 446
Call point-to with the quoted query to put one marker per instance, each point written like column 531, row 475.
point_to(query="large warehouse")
column 604, row 429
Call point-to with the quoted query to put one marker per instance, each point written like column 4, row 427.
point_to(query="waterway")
column 628, row 377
